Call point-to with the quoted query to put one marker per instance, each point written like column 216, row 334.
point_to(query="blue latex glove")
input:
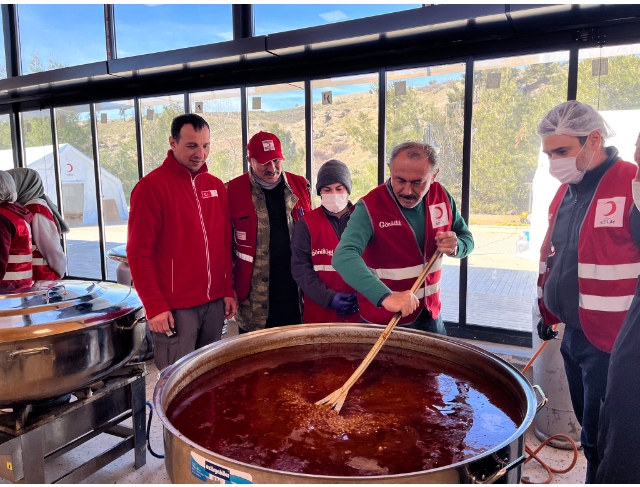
column 345, row 303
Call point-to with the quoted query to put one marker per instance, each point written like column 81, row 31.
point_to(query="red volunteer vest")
column 323, row 243
column 19, row 268
column 393, row 253
column 245, row 225
column 41, row 269
column 608, row 258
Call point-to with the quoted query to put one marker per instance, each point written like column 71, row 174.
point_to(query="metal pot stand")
column 28, row 443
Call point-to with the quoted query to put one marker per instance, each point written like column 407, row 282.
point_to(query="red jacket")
column 608, row 258
column 391, row 254
column 15, row 252
column 245, row 224
column 179, row 238
column 323, row 243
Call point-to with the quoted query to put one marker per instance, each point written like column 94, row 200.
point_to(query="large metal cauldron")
column 57, row 337
column 185, row 460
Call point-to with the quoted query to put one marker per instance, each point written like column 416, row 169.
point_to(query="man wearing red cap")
column 265, row 202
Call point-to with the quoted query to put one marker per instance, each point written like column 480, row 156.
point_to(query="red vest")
column 19, row 271
column 41, row 269
column 393, row 253
column 608, row 257
column 245, row 225
column 323, row 243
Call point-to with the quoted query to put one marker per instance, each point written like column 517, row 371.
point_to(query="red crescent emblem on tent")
column 70, row 168
column 437, row 208
column 613, row 208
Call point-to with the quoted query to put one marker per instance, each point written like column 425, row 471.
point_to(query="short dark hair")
column 188, row 118
column 417, row 150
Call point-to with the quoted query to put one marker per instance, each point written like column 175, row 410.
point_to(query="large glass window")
column 609, row 81
column 143, row 29
column 3, row 61
column 345, row 127
column 79, row 191
column 119, row 170
column 55, row 35
column 279, row 18
column 157, row 114
column 36, row 129
column 427, row 104
column 6, row 152
column 221, row 110
column 279, row 109
column 511, row 95
column 5, row 132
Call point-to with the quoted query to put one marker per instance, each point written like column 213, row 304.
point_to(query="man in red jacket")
column 265, row 203
column 179, row 246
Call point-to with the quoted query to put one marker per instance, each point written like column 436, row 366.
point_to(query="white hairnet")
column 7, row 188
column 575, row 119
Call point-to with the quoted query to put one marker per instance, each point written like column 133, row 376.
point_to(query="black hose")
column 154, row 454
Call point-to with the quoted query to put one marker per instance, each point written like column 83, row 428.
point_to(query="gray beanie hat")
column 333, row 171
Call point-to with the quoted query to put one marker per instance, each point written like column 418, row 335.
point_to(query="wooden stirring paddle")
column 336, row 399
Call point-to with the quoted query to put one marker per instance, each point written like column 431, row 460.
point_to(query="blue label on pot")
column 207, row 471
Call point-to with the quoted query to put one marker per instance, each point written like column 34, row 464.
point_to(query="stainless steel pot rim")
column 166, row 373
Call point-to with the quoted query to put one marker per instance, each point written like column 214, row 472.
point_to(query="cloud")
column 334, row 16
column 227, row 36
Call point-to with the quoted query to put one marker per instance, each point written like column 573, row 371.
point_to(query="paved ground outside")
column 501, row 285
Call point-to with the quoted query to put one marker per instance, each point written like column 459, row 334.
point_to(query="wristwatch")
column 454, row 253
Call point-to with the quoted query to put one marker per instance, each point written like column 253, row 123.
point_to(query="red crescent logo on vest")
column 439, row 210
column 609, row 212
column 613, row 208
column 70, row 168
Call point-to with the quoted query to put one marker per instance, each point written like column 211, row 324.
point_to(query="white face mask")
column 635, row 190
column 336, row 202
column 565, row 169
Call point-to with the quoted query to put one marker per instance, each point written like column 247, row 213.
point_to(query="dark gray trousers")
column 196, row 327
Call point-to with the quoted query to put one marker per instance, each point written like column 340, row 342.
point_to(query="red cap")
column 264, row 147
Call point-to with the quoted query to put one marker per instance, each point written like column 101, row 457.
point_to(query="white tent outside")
column 75, row 168
column 544, row 186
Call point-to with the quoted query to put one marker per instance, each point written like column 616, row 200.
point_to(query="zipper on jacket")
column 204, row 233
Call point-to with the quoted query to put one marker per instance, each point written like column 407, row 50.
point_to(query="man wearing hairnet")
column 16, row 270
column 590, row 257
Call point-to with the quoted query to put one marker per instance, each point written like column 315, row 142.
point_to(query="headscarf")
column 29, row 187
column 7, row 188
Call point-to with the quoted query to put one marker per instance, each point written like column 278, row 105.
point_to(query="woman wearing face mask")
column 315, row 237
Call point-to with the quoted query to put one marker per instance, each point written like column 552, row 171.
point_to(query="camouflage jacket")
column 253, row 312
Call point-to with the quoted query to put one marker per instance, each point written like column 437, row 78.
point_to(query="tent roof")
column 33, row 154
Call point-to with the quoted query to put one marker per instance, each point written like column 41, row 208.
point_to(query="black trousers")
column 586, row 367
column 619, row 433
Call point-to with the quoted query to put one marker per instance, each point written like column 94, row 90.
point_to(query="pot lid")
column 118, row 253
column 54, row 307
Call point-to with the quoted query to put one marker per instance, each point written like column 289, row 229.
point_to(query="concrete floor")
column 122, row 471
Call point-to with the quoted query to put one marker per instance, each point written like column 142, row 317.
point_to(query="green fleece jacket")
column 347, row 259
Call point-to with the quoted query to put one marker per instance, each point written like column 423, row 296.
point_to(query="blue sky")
column 74, row 33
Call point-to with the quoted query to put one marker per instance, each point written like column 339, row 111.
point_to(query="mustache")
column 270, row 173
column 408, row 196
